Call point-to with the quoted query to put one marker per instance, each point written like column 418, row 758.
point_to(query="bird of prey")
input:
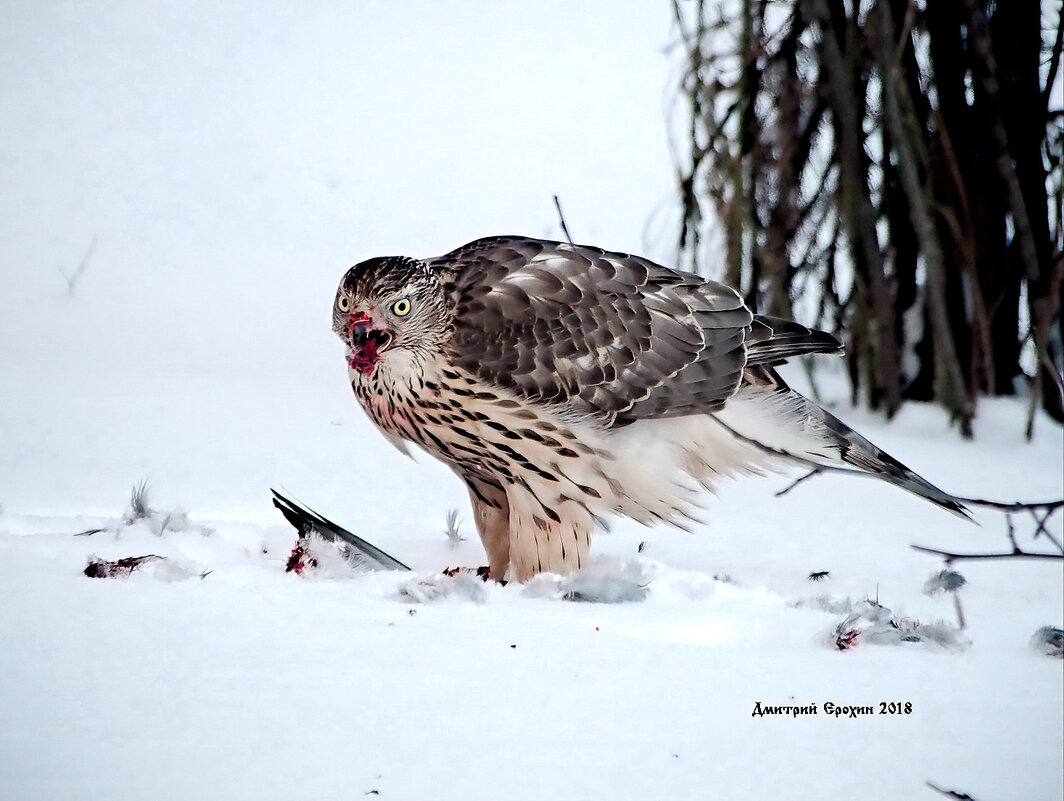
column 564, row 384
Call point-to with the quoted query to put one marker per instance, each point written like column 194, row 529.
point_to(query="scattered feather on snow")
column 306, row 522
column 138, row 519
column 140, row 512
column 120, row 568
column 176, row 569
column 453, row 529
column 944, row 581
column 876, row 624
column 314, row 555
column 160, row 568
column 450, row 586
column 603, row 582
column 138, row 504
column 829, row 604
column 1049, row 640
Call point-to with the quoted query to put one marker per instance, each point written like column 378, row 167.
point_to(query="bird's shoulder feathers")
column 606, row 333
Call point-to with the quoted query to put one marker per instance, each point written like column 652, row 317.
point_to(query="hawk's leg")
column 491, row 512
column 546, row 539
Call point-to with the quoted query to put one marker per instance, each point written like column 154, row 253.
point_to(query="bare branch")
column 1040, row 528
column 1048, row 508
column 809, row 133
column 815, row 469
column 1011, row 533
column 1014, row 506
column 1017, row 552
column 950, row 556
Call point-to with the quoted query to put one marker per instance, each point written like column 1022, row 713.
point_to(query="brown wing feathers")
column 613, row 334
column 771, row 340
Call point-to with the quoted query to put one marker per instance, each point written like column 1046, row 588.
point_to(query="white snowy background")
column 183, row 186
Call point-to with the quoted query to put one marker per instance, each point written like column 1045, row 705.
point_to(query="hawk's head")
column 389, row 304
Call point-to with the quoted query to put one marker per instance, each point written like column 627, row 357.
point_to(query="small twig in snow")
column 1011, row 532
column 561, row 219
column 960, row 613
column 72, row 279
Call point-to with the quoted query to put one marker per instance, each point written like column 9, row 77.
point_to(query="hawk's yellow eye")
column 401, row 308
column 343, row 304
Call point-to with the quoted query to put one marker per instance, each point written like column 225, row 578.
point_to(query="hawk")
column 564, row 384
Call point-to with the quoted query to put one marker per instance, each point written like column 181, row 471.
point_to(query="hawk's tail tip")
column 955, row 506
column 906, row 479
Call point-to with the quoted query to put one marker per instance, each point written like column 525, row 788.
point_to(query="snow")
column 217, row 169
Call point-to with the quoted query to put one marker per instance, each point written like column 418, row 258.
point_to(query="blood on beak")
column 366, row 342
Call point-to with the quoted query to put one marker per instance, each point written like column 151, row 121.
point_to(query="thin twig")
column 561, row 219
column 1047, row 508
column 950, row 793
column 960, row 614
column 1041, row 528
column 904, row 37
column 1011, row 533
column 950, row 556
column 72, row 279
column 816, row 471
column 1013, row 506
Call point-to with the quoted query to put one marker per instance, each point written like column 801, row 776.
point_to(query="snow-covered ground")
column 214, row 170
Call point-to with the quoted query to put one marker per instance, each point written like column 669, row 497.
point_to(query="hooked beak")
column 365, row 342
